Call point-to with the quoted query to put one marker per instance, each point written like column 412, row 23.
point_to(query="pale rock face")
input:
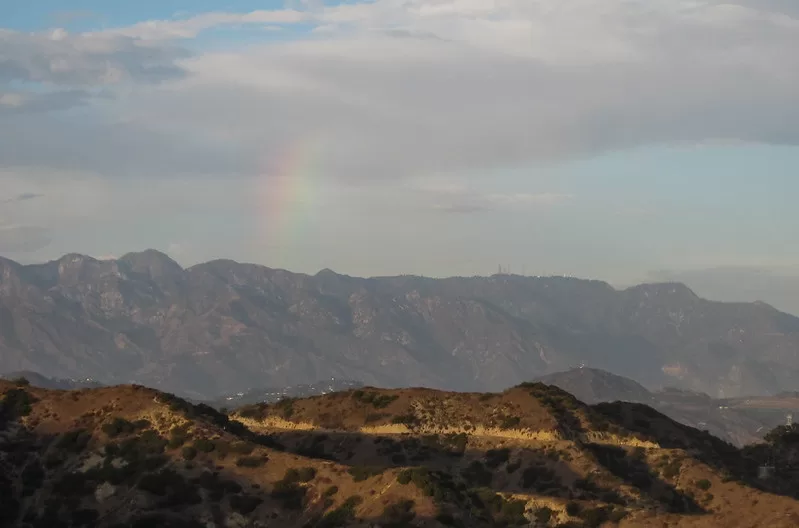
column 104, row 492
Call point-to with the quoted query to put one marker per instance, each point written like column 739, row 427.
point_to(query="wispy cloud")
column 23, row 197
column 454, row 197
column 154, row 30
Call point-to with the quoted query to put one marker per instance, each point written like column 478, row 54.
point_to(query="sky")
column 623, row 140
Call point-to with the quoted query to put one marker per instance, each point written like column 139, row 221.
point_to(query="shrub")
column 375, row 399
column 361, row 473
column 539, row 478
column 189, row 453
column 244, row 504
column 408, row 420
column 286, row 406
column 398, row 514
column 543, row 515
column 572, row 508
column 118, row 426
column 404, row 477
column 509, row 422
column 21, row 381
column 595, row 517
column 250, row 461
column 497, row 457
column 291, row 493
column 342, row 515
column 242, row 448
column 204, row 445
column 74, row 441
column 178, row 436
column 329, row 492
column 704, row 484
column 476, row 475
column 306, row 474
column 374, row 417
column 15, row 404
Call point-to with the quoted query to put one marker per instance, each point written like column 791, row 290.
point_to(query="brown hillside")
column 609, row 463
column 533, row 455
column 131, row 456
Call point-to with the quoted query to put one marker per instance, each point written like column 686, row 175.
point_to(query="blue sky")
column 429, row 136
column 84, row 15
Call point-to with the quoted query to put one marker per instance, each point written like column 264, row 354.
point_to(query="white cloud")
column 402, row 90
column 191, row 27
column 59, row 58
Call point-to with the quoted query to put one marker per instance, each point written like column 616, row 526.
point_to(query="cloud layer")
column 395, row 89
column 377, row 96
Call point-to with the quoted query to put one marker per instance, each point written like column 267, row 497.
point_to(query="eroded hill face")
column 224, row 327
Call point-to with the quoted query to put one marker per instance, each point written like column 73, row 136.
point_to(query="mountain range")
column 222, row 327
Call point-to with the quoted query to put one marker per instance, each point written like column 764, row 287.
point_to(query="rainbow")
column 287, row 196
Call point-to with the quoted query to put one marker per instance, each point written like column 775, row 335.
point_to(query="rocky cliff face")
column 224, row 326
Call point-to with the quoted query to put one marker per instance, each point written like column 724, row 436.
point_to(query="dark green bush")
column 15, row 404
column 543, row 515
column 375, row 399
column 117, row 427
column 329, row 492
column 242, row 448
column 290, row 493
column 204, row 445
column 189, row 453
column 595, row 517
column 245, row 504
column 509, row 422
column 497, row 457
column 398, row 515
column 360, row 473
column 74, row 441
column 251, row 461
column 573, row 508
column 704, row 484
column 476, row 475
column 342, row 515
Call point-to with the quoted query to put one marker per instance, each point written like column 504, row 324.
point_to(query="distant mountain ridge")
column 37, row 380
column 222, row 326
column 739, row 421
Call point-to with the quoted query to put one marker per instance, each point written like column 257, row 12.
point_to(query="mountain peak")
column 670, row 289
column 151, row 262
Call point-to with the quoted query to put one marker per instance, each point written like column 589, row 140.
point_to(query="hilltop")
column 222, row 327
column 132, row 456
column 575, row 464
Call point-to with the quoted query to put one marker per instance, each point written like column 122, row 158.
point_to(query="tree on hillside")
column 784, row 435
